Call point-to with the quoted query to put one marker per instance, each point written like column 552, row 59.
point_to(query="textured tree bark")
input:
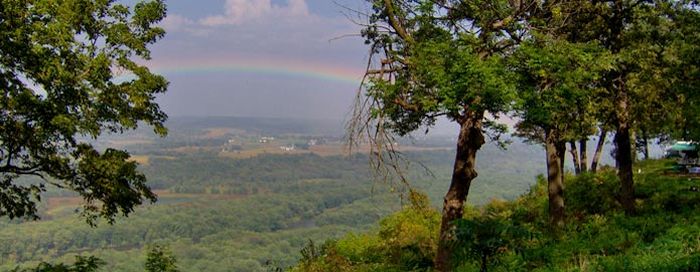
column 555, row 178
column 624, row 158
column 583, row 145
column 561, row 151
column 470, row 141
column 645, row 142
column 633, row 145
column 574, row 157
column 624, row 153
column 598, row 150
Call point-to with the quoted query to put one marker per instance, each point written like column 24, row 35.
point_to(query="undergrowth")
column 514, row 235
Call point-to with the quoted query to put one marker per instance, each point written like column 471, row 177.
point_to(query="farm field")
column 205, row 197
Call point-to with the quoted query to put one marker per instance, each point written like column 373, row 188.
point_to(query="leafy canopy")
column 440, row 66
column 69, row 71
column 557, row 84
column 160, row 259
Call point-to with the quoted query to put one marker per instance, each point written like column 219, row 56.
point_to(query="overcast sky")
column 271, row 58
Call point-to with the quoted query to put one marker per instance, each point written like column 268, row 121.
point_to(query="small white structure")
column 288, row 148
column 264, row 140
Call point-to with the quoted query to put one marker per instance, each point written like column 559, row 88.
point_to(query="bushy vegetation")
column 208, row 234
column 82, row 264
column 515, row 235
column 207, row 213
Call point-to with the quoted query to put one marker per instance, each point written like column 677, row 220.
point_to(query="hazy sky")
column 272, row 58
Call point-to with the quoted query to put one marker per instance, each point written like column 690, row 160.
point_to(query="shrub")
column 485, row 239
column 322, row 258
column 82, row 264
column 410, row 237
column 588, row 193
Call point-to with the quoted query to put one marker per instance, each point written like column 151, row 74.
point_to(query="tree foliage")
column 70, row 71
column 160, row 259
column 432, row 59
column 684, row 72
column 640, row 87
column 557, row 82
column 555, row 78
column 431, row 66
column 576, row 66
column 82, row 264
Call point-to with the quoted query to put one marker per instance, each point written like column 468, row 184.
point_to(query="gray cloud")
column 242, row 11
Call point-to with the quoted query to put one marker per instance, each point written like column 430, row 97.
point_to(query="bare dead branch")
column 343, row 37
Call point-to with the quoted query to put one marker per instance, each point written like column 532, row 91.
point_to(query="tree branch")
column 395, row 23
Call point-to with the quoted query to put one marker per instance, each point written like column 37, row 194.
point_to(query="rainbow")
column 290, row 68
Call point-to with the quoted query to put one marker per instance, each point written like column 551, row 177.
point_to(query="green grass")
column 663, row 236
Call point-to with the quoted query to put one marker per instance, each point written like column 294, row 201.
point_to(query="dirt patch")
column 337, row 150
column 215, row 133
column 192, row 149
column 321, row 150
column 244, row 154
column 56, row 202
column 333, row 150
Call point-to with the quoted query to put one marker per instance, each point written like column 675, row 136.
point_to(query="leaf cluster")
column 558, row 84
column 70, row 71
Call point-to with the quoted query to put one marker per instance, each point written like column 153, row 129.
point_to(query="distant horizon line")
column 254, row 117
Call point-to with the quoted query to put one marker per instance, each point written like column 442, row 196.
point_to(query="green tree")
column 438, row 58
column 636, row 93
column 160, row 259
column 69, row 71
column 556, row 77
column 685, row 72
column 82, row 264
column 640, row 87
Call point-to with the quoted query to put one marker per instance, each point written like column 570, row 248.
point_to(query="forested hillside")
column 530, row 96
column 221, row 214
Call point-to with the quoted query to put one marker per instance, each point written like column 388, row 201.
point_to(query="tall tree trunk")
column 470, row 141
column 645, row 142
column 633, row 145
column 484, row 263
column 561, row 151
column 583, row 144
column 598, row 150
column 623, row 147
column 617, row 80
column 555, row 178
column 574, row 157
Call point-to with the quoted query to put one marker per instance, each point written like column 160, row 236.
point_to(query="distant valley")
column 211, row 173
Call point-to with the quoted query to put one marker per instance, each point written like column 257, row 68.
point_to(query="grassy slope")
column 663, row 236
